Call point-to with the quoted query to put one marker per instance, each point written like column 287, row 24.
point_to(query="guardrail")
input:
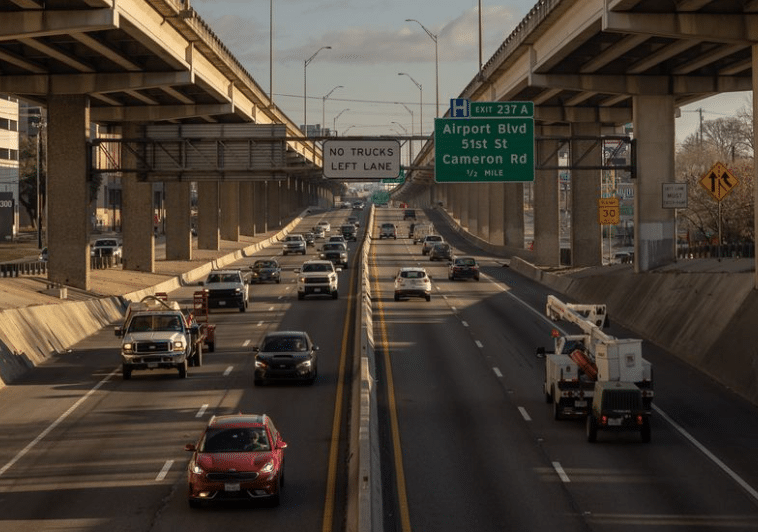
column 708, row 251
column 39, row 267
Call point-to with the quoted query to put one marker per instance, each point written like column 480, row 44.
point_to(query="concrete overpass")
column 589, row 66
column 123, row 65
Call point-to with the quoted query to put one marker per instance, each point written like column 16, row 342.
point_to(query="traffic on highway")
column 257, row 434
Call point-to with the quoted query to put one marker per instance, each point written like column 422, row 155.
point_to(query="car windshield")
column 316, row 268
column 413, row 274
column 264, row 264
column 434, row 239
column 334, row 246
column 235, row 440
column 105, row 243
column 156, row 324
column 465, row 262
column 284, row 344
column 293, row 238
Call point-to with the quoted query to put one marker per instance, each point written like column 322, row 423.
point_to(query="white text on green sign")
column 484, row 150
column 502, row 109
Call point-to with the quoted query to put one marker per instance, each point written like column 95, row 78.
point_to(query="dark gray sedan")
column 265, row 270
column 285, row 356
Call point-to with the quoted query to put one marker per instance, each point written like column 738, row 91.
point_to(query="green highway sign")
column 399, row 179
column 486, row 150
column 380, row 197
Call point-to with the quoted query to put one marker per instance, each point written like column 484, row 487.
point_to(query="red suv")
column 238, row 457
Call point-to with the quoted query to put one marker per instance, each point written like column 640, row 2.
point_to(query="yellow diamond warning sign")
column 718, row 181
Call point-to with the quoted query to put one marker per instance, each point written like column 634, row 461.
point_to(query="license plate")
column 317, row 290
column 232, row 486
column 579, row 404
column 221, row 303
column 614, row 422
column 152, row 365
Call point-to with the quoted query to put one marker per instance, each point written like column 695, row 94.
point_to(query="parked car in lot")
column 265, row 270
column 441, row 251
column 237, row 457
column 287, row 356
column 106, row 247
column 293, row 244
column 429, row 242
column 388, row 230
column 412, row 281
column 463, row 268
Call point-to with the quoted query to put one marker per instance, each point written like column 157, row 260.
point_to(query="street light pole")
column 421, row 106
column 436, row 65
column 410, row 144
column 323, row 107
column 335, row 120
column 305, row 87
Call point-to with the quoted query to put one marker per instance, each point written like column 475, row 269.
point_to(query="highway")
column 468, row 441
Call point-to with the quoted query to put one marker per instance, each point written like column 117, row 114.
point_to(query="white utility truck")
column 596, row 375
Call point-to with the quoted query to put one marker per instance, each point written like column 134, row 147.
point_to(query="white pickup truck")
column 156, row 334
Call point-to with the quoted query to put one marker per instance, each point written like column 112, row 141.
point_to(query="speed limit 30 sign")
column 608, row 211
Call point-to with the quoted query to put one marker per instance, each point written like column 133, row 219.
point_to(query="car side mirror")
column 315, row 348
column 200, row 283
column 281, row 444
column 190, row 447
column 296, row 270
column 119, row 332
column 256, row 349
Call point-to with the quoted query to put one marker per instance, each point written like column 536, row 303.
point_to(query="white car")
column 413, row 281
column 106, row 247
column 294, row 244
column 326, row 226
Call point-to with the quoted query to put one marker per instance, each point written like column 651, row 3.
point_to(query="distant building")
column 9, row 169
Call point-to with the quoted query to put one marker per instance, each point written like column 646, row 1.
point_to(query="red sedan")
column 238, row 457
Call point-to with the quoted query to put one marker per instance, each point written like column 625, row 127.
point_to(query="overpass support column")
column 496, row 214
column 208, row 215
column 547, row 228
column 259, row 206
column 68, row 237
column 463, row 192
column 178, row 221
column 755, row 159
column 514, row 215
column 473, row 208
column 273, row 199
column 137, row 222
column 654, row 226
column 586, row 240
column 230, row 211
column 483, row 211
column 246, row 202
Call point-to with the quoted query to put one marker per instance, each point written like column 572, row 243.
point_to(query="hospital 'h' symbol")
column 459, row 108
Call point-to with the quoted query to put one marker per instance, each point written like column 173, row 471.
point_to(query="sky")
column 354, row 87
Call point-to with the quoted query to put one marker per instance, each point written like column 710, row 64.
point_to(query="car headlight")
column 178, row 345
column 261, row 364
column 322, row 255
column 301, row 280
column 306, row 364
column 268, row 467
column 196, row 469
column 128, row 347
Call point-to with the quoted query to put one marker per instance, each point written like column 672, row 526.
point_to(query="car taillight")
column 640, row 419
column 603, row 420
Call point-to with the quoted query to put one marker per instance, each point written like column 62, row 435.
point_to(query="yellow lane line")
column 402, row 496
column 331, row 478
